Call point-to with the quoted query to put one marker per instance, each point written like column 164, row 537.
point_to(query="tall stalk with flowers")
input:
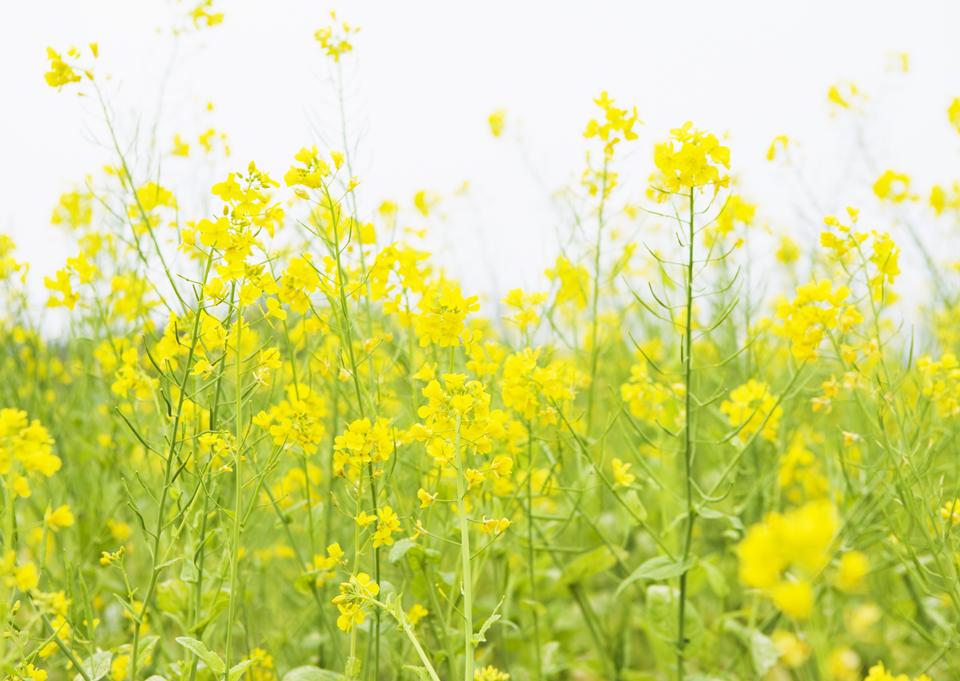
column 689, row 163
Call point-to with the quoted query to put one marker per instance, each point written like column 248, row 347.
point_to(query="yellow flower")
column 781, row 143
column 32, row 673
column 118, row 667
column 21, row 487
column 58, row 518
column 622, row 477
column 880, row 673
column 352, row 598
column 951, row 511
column 524, row 307
column 61, row 73
column 60, row 283
column 180, row 146
column 297, row 420
column 751, row 409
column 893, row 186
column 119, row 530
column 535, row 391
column 780, row 554
column 494, row 525
column 945, row 198
column 425, row 201
column 334, row 39
column 364, row 442
column 324, row 566
column 844, row 664
column 940, row 383
column 489, row 673
column 844, row 95
column 691, row 159
column 425, row 498
column 74, row 209
column 953, row 113
column 388, row 523
column 24, row 576
column 794, row 598
column 805, row 320
column 110, row 557
column 443, row 310
column 27, row 443
column 416, row 613
column 203, row 16
column 793, row 650
column 574, row 282
column 614, row 126
column 854, row 566
column 496, row 121
column 800, row 473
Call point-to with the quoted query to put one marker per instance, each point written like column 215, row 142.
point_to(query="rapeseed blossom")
column 271, row 403
column 783, row 554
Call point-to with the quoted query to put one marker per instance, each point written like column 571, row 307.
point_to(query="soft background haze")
column 425, row 75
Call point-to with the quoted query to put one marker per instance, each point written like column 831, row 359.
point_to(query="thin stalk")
column 531, row 554
column 687, row 441
column 353, row 662
column 467, row 578
column 155, row 567
column 412, row 637
column 238, row 496
column 595, row 300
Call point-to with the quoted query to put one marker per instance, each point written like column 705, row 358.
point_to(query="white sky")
column 425, row 75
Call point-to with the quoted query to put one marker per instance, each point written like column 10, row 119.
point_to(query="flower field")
column 277, row 440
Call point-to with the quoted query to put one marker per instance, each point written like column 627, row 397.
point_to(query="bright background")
column 425, row 75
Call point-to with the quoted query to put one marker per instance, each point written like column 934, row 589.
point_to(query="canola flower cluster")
column 279, row 442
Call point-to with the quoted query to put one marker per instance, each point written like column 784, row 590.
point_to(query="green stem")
column 237, row 508
column 353, row 662
column 531, row 554
column 687, row 442
column 594, row 303
column 8, row 529
column 156, row 564
column 467, row 579
column 412, row 637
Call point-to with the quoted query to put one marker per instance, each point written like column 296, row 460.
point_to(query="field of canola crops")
column 276, row 441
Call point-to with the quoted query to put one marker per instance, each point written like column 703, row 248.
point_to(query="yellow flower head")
column 691, row 159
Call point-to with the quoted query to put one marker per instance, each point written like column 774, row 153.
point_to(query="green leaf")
column 481, row 636
column 304, row 581
column 238, row 669
column 400, row 549
column 420, row 672
column 96, row 667
column 133, row 612
column 638, row 510
column 189, row 572
column 173, row 596
column 715, row 578
column 763, row 652
column 209, row 658
column 589, row 564
column 661, row 623
column 311, row 673
column 712, row 514
column 657, row 569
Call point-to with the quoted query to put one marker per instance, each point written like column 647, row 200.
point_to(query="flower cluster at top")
column 691, row 159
